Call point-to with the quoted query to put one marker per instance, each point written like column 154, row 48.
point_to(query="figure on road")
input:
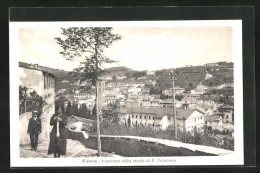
column 58, row 135
column 34, row 129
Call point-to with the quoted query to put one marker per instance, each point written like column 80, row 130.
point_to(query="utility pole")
column 97, row 114
column 174, row 108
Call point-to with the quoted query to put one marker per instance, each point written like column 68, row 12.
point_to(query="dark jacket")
column 34, row 126
column 58, row 143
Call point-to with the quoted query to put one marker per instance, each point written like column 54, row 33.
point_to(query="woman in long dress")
column 58, row 135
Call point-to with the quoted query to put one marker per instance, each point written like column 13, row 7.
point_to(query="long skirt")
column 57, row 144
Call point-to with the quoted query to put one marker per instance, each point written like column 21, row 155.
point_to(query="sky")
column 141, row 48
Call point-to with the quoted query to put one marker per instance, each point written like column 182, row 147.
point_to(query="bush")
column 195, row 137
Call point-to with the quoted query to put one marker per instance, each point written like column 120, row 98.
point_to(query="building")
column 201, row 89
column 179, row 90
column 190, row 102
column 43, row 83
column 110, row 99
column 208, row 109
column 155, row 102
column 90, row 103
column 211, row 65
column 195, row 96
column 162, row 117
column 167, row 92
column 227, row 113
column 214, row 122
column 169, row 103
column 60, row 91
column 150, row 73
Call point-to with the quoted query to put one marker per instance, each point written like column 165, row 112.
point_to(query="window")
column 141, row 116
column 144, row 117
column 149, row 117
column 153, row 118
column 136, row 116
column 169, row 118
column 132, row 116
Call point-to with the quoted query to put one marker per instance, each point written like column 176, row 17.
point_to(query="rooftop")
column 34, row 67
column 158, row 111
column 212, row 118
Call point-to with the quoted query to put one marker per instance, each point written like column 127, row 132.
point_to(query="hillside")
column 60, row 74
column 121, row 70
column 190, row 77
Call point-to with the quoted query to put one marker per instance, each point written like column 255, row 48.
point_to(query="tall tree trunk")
column 97, row 108
column 98, row 124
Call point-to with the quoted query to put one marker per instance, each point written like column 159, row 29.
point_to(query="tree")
column 83, row 111
column 114, row 78
column 22, row 98
column 88, row 43
column 111, row 113
column 68, row 109
column 31, row 101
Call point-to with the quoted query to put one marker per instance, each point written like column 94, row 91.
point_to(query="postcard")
column 126, row 93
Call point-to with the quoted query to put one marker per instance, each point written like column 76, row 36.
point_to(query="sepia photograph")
column 126, row 93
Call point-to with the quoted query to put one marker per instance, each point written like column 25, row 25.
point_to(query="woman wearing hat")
column 58, row 135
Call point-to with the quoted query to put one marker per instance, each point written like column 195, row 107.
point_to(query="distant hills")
column 121, row 70
column 186, row 77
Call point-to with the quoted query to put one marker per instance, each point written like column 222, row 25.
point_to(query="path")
column 74, row 150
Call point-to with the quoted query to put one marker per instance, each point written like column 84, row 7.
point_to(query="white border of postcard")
column 237, row 158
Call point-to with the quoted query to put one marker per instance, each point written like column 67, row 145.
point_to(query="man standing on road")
column 34, row 129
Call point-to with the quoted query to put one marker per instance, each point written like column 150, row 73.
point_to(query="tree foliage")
column 90, row 43
column 30, row 101
column 111, row 114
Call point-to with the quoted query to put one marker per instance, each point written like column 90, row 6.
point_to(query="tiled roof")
column 158, row 111
column 190, row 100
column 212, row 118
column 204, row 106
column 26, row 65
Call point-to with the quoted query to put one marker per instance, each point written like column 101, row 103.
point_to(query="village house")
column 195, row 96
column 201, row 89
column 190, row 102
column 149, row 73
column 228, row 127
column 90, row 103
column 150, row 82
column 146, row 101
column 167, row 92
column 110, row 99
column 138, row 85
column 178, row 90
column 161, row 118
column 211, row 65
column 155, row 102
column 228, row 113
column 120, row 77
column 213, row 122
column 134, row 91
column 169, row 103
column 208, row 109
column 43, row 83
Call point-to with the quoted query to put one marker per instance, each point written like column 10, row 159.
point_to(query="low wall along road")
column 135, row 146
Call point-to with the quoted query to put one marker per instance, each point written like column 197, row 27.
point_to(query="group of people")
column 58, row 134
